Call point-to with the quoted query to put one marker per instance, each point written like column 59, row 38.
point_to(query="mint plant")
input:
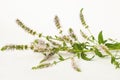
column 55, row 45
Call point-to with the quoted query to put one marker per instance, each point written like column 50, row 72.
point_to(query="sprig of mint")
column 55, row 45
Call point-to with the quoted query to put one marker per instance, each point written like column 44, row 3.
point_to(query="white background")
column 38, row 15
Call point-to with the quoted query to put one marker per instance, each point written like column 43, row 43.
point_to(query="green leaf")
column 113, row 61
column 55, row 50
column 84, row 56
column 70, row 30
column 100, row 38
column 36, row 41
column 43, row 60
column 117, row 64
column 77, row 46
column 48, row 37
column 98, row 53
column 78, row 69
column 113, row 45
column 3, row 48
column 61, row 58
column 40, row 34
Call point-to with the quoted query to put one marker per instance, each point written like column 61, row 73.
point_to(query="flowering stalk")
column 55, row 45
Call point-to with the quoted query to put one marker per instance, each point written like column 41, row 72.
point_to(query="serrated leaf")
column 100, row 38
column 84, row 56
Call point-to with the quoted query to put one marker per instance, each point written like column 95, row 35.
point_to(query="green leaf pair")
column 79, row 47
